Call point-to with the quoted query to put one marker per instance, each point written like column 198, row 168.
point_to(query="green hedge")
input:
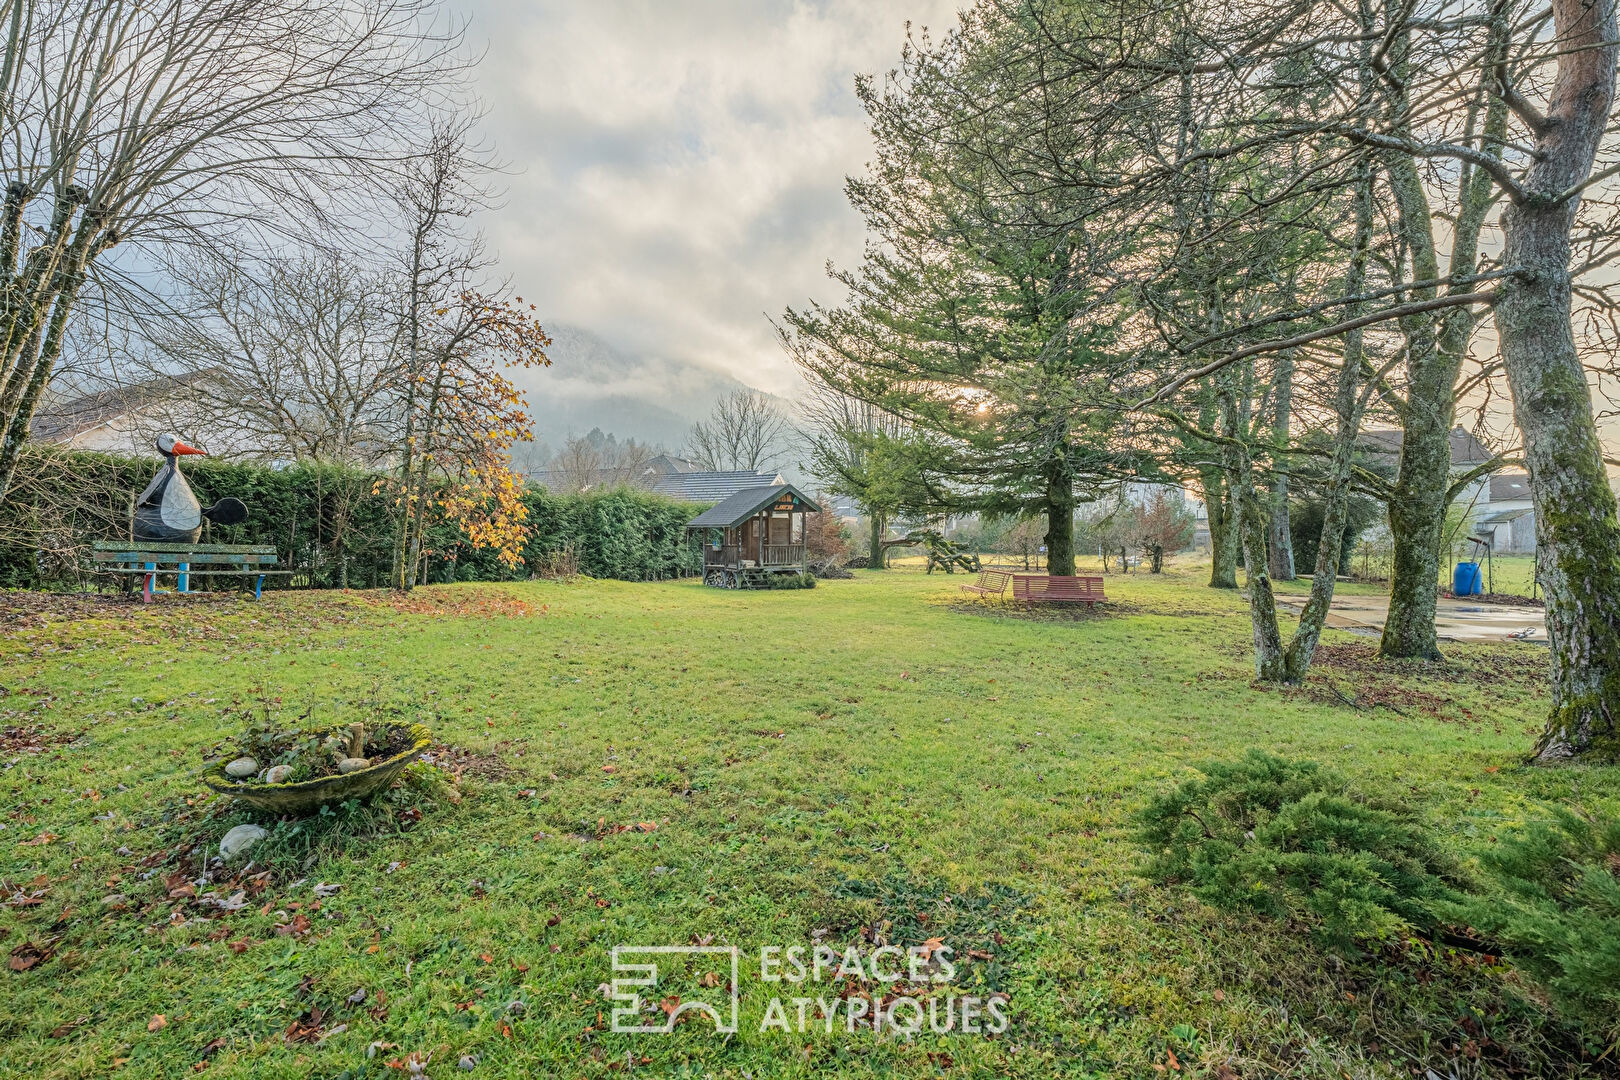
column 329, row 523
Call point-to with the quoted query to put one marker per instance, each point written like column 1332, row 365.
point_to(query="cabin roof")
column 733, row 510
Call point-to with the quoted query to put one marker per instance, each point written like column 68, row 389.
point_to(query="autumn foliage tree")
column 465, row 417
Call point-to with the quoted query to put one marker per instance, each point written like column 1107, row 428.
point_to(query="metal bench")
column 1046, row 589
column 150, row 558
column 990, row 583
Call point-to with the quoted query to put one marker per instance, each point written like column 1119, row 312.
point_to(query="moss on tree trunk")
column 1577, row 533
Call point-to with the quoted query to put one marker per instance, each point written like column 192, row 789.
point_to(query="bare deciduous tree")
column 588, row 462
column 283, row 359
column 182, row 122
column 744, row 432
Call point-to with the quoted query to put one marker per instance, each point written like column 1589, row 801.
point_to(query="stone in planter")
column 353, row 764
column 277, row 774
column 242, row 768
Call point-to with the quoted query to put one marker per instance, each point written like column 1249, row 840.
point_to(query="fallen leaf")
column 62, row 1030
column 157, row 1023
column 28, row 955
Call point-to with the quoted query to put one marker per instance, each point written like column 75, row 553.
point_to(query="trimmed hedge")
column 332, row 525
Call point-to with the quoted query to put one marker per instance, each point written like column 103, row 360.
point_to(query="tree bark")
column 1577, row 534
column 1417, row 505
column 1060, row 517
column 1223, row 546
column 1280, row 539
column 878, row 526
column 1417, row 511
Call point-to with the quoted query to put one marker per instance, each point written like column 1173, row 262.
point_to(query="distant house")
column 705, row 486
column 665, row 473
column 1467, row 452
column 121, row 420
column 1506, row 515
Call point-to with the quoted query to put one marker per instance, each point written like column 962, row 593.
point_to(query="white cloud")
column 678, row 166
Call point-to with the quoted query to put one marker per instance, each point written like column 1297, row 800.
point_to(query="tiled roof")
column 711, row 486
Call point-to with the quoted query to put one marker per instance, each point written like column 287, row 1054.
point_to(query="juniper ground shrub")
column 1553, row 905
column 1293, row 840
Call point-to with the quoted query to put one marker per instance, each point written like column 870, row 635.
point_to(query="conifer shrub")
column 1293, row 840
column 1552, row 903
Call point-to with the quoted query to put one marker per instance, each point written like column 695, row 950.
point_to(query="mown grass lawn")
column 860, row 763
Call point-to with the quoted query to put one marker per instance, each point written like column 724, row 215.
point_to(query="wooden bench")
column 990, row 583
column 1046, row 589
column 148, row 558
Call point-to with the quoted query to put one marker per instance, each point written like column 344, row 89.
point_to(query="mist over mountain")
column 591, row 384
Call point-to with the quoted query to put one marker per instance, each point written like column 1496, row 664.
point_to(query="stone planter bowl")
column 305, row 796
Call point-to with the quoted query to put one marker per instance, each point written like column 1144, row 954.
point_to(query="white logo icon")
column 626, row 1017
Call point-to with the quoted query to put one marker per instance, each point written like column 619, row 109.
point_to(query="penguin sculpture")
column 168, row 510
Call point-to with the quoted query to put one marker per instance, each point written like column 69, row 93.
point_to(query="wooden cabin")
column 754, row 535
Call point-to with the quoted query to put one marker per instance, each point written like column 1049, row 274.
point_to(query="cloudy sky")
column 677, row 165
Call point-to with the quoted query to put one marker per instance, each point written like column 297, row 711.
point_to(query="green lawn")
column 862, row 763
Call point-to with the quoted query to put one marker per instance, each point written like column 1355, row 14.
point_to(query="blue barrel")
column 1466, row 580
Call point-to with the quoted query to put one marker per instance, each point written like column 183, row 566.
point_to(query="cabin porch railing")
column 733, row 555
column 784, row 554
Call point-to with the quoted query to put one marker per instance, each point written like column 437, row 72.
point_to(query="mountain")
column 590, row 384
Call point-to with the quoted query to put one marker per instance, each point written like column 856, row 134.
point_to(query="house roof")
column 1506, row 487
column 666, row 463
column 61, row 420
column 735, row 509
column 711, row 486
column 1465, row 449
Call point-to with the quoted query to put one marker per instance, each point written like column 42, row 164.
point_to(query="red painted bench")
column 990, row 583
column 1046, row 589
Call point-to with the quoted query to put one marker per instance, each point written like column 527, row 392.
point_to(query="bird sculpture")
column 168, row 510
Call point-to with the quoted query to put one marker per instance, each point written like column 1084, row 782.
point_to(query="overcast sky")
column 677, row 165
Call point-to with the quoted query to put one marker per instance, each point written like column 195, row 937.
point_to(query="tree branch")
column 1400, row 311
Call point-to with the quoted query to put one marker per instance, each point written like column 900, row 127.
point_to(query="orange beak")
column 182, row 448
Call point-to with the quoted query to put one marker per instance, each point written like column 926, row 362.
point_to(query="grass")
column 870, row 761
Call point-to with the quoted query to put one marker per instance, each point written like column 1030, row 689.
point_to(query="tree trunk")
column 1280, row 539
column 878, row 527
column 1248, row 523
column 1577, row 534
column 1059, row 517
column 1417, row 512
column 1223, row 547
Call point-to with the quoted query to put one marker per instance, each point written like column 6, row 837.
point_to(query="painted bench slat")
column 144, row 555
column 183, row 549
